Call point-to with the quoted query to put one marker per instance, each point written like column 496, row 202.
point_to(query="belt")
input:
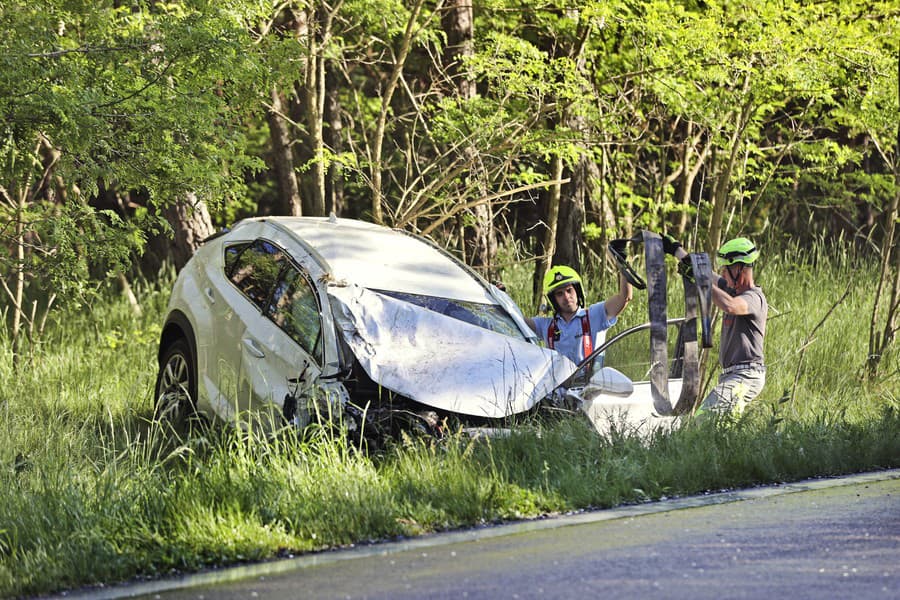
column 743, row 367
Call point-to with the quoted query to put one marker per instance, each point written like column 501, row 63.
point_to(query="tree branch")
column 811, row 338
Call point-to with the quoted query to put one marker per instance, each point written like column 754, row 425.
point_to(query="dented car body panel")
column 447, row 364
column 615, row 391
column 283, row 308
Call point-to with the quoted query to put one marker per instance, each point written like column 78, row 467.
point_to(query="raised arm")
column 732, row 305
column 616, row 303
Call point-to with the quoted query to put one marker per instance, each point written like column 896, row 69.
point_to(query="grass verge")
column 94, row 493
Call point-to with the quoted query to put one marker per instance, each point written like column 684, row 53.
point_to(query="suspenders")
column 587, row 341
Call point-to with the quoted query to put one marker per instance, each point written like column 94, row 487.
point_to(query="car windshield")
column 487, row 316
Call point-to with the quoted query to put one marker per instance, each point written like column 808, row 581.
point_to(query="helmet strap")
column 736, row 278
column 553, row 303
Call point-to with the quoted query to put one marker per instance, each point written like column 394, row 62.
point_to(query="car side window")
column 255, row 269
column 295, row 310
column 232, row 253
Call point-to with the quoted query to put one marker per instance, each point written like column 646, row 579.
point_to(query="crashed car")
column 289, row 320
column 293, row 318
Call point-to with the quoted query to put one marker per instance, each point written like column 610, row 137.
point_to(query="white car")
column 285, row 317
column 290, row 319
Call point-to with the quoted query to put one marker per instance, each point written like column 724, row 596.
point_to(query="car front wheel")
column 176, row 387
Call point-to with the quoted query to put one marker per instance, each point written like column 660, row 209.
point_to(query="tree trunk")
column 289, row 202
column 311, row 27
column 314, row 96
column 334, row 183
column 723, row 183
column 18, row 201
column 597, row 204
column 689, row 174
column 623, row 207
column 601, row 202
column 569, row 233
column 128, row 293
column 879, row 342
column 191, row 224
column 458, row 25
column 19, row 283
column 480, row 239
column 302, row 147
column 545, row 261
column 883, row 328
column 386, row 96
column 565, row 214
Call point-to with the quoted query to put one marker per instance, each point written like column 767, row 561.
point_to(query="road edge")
column 242, row 572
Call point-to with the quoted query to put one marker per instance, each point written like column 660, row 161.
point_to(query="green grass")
column 93, row 493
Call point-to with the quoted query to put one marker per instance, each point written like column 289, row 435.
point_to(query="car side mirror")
column 609, row 381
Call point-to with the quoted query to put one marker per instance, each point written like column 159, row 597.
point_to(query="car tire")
column 176, row 387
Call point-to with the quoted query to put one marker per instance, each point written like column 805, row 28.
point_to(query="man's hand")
column 686, row 268
column 670, row 244
column 618, row 250
column 619, row 247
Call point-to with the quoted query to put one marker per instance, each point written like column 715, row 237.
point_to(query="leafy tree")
column 143, row 96
column 868, row 63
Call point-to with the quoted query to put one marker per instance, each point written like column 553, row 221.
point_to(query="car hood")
column 443, row 362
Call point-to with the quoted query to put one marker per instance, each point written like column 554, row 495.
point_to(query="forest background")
column 516, row 134
column 508, row 131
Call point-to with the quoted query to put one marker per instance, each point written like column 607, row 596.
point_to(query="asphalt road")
column 816, row 539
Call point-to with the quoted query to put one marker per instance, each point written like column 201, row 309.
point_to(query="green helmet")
column 738, row 250
column 559, row 277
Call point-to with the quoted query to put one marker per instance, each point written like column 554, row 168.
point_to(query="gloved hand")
column 500, row 286
column 619, row 247
column 670, row 244
column 618, row 250
column 686, row 268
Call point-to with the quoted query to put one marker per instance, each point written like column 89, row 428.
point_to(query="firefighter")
column 745, row 310
column 575, row 330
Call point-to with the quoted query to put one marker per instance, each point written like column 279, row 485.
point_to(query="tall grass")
column 95, row 493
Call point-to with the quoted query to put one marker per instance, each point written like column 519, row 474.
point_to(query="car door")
column 223, row 327
column 280, row 339
column 629, row 407
column 289, row 336
column 251, row 271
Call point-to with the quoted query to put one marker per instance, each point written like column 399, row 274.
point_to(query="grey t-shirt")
column 742, row 335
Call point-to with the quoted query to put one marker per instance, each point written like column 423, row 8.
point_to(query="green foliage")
column 151, row 87
column 146, row 97
column 380, row 18
column 83, row 469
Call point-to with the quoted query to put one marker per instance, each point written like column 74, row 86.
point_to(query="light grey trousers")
column 734, row 391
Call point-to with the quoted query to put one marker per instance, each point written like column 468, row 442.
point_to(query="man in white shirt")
column 575, row 330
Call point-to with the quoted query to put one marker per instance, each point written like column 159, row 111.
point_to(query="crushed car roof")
column 380, row 258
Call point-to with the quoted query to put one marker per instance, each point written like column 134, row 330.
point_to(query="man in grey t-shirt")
column 743, row 327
